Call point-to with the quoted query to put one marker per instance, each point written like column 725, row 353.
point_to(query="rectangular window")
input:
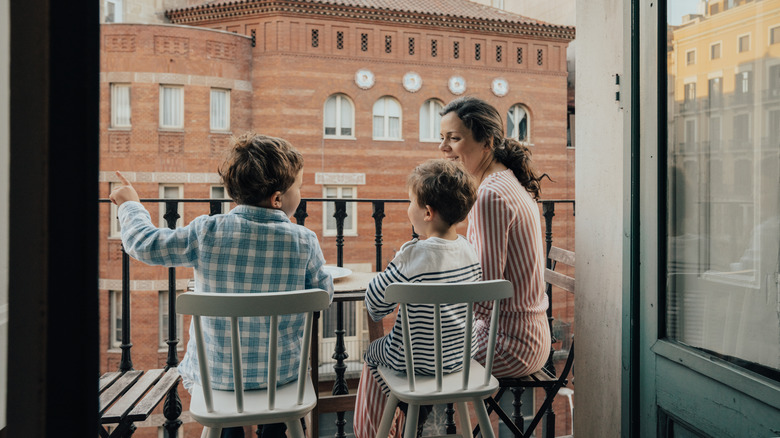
column 169, row 191
column 115, row 318
column 690, row 92
column 114, row 228
column 164, row 323
column 774, row 35
column 171, row 107
column 220, row 109
column 744, row 43
column 219, row 192
column 120, row 105
column 715, row 51
column 742, row 82
column 690, row 57
column 112, row 11
column 350, row 222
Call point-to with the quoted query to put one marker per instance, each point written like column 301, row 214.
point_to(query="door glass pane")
column 724, row 185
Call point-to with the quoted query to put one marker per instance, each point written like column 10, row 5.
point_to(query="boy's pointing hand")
column 125, row 192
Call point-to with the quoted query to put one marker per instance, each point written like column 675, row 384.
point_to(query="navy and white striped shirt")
column 418, row 261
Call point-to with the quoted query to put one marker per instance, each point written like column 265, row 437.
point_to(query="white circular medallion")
column 500, row 87
column 364, row 79
column 457, row 85
column 412, row 82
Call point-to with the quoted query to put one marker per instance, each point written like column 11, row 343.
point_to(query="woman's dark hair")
column 485, row 124
column 258, row 166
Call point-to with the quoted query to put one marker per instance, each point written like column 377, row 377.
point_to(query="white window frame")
column 720, row 49
column 114, row 318
column 214, row 194
column 177, row 121
column 516, row 124
column 180, row 207
column 750, row 42
column 340, row 124
column 118, row 13
column 430, row 118
column 114, row 230
column 121, row 109
column 382, row 104
column 688, row 52
column 162, row 319
column 219, row 112
column 350, row 222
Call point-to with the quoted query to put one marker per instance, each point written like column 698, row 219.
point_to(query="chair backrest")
column 552, row 277
column 437, row 294
column 565, row 282
column 233, row 306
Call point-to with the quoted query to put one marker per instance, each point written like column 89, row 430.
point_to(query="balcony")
column 341, row 338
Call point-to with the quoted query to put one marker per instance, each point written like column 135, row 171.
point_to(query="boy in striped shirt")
column 441, row 194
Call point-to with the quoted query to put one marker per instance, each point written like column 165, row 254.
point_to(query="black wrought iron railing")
column 340, row 401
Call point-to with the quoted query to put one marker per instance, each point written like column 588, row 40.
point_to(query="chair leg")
column 412, row 413
column 294, row 429
column 464, row 417
column 387, row 417
column 482, row 416
column 211, row 432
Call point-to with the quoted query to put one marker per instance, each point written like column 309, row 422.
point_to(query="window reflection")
column 724, row 183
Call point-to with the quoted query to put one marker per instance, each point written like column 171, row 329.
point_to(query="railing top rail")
column 106, row 200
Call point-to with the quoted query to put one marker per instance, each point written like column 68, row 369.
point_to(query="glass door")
column 716, row 361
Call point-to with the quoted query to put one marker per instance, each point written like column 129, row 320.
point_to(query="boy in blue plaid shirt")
column 254, row 248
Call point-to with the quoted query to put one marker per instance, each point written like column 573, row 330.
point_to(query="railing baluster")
column 340, row 215
column 172, row 407
column 450, row 422
column 126, row 362
column 340, row 353
column 379, row 215
column 301, row 214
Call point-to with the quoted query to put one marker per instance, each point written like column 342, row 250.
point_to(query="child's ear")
column 430, row 213
column 276, row 200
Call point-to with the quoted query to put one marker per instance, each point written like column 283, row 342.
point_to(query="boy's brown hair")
column 446, row 187
column 258, row 166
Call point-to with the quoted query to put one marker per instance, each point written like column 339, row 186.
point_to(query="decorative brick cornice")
column 209, row 13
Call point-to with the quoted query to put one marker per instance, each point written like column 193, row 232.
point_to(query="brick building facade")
column 353, row 85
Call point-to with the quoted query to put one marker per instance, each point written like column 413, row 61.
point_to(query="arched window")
column 387, row 119
column 518, row 126
column 430, row 120
column 338, row 116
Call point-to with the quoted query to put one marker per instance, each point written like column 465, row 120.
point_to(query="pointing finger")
column 122, row 179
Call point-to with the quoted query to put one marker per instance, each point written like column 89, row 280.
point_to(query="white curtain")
column 220, row 110
column 120, row 105
column 171, row 107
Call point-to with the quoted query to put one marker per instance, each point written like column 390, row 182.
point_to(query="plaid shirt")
column 249, row 249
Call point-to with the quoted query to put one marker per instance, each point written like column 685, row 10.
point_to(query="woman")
column 505, row 229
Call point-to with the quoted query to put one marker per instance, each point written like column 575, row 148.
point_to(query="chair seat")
column 255, row 406
column 452, row 386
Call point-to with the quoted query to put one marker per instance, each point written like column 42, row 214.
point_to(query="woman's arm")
column 492, row 220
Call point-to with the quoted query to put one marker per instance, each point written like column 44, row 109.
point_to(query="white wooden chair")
column 288, row 403
column 473, row 384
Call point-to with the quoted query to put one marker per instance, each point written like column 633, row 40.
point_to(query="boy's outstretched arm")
column 125, row 192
